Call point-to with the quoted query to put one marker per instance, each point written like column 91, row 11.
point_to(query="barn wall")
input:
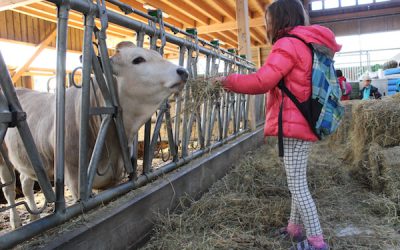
column 20, row 27
column 364, row 26
column 259, row 54
column 25, row 82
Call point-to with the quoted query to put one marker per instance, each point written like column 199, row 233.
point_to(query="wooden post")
column 242, row 19
column 38, row 49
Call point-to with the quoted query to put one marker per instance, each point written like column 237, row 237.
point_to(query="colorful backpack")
column 323, row 110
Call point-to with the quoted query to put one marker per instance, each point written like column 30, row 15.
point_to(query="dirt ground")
column 245, row 208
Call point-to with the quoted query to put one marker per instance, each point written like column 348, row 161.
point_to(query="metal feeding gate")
column 217, row 120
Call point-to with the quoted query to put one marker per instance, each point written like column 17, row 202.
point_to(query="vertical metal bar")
column 23, row 129
column 140, row 39
column 97, row 153
column 178, row 100
column 122, row 136
column 211, row 127
column 135, row 141
column 204, row 116
column 148, row 155
column 210, row 117
column 226, row 107
column 207, row 75
column 171, row 142
column 186, row 101
column 85, row 102
column 200, row 137
column 148, row 163
column 59, row 154
column 220, row 122
column 189, row 129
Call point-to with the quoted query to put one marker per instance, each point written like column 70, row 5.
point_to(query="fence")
column 226, row 114
column 355, row 63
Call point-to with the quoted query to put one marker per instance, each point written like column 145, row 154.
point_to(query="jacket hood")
column 317, row 34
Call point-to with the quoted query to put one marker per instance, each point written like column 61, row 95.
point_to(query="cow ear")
column 125, row 44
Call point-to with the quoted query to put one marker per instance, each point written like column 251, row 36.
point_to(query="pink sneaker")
column 284, row 233
column 306, row 245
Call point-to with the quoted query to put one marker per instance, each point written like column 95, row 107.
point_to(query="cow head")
column 147, row 70
column 144, row 80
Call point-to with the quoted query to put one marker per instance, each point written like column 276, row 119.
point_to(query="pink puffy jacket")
column 291, row 59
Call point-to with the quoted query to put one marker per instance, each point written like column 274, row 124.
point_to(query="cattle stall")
column 218, row 121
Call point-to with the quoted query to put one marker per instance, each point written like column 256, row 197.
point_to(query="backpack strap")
column 285, row 91
column 300, row 107
column 280, row 123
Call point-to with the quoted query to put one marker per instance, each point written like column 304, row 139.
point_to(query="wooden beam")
column 139, row 6
column 206, row 9
column 170, row 11
column 224, row 37
column 259, row 7
column 188, row 10
column 11, row 4
column 225, row 8
column 256, row 35
column 39, row 48
column 242, row 18
column 242, row 12
column 218, row 27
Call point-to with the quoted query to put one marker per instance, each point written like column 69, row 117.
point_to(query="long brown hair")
column 283, row 15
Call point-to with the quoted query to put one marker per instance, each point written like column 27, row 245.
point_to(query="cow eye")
column 138, row 60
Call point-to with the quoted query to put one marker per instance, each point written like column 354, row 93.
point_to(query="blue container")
column 393, row 86
column 387, row 72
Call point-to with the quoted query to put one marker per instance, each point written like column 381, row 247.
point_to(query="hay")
column 202, row 90
column 375, row 121
column 342, row 134
column 375, row 127
column 244, row 209
column 385, row 170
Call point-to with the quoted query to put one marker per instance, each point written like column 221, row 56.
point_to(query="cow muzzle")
column 178, row 86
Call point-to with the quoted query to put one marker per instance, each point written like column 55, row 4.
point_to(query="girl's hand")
column 219, row 79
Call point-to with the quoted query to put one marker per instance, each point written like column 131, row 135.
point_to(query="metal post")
column 122, row 136
column 85, row 105
column 59, row 154
column 186, row 101
column 178, row 100
column 97, row 153
column 135, row 142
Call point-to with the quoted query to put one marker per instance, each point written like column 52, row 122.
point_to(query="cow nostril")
column 183, row 73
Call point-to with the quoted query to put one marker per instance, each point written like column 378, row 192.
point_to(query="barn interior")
column 32, row 24
column 28, row 39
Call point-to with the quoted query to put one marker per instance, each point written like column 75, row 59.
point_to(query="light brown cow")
column 144, row 80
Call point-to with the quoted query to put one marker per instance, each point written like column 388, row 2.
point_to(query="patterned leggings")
column 303, row 207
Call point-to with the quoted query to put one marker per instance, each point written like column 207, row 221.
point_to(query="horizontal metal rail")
column 85, row 7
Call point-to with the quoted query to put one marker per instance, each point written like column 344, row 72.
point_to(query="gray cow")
column 144, row 80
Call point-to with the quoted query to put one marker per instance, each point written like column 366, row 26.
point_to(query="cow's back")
column 39, row 108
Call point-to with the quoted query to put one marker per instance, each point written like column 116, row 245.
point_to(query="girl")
column 291, row 60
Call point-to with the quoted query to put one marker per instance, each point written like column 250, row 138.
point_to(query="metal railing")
column 217, row 120
column 355, row 63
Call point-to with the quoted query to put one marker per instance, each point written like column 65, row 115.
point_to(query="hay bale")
column 384, row 165
column 374, row 121
column 342, row 134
